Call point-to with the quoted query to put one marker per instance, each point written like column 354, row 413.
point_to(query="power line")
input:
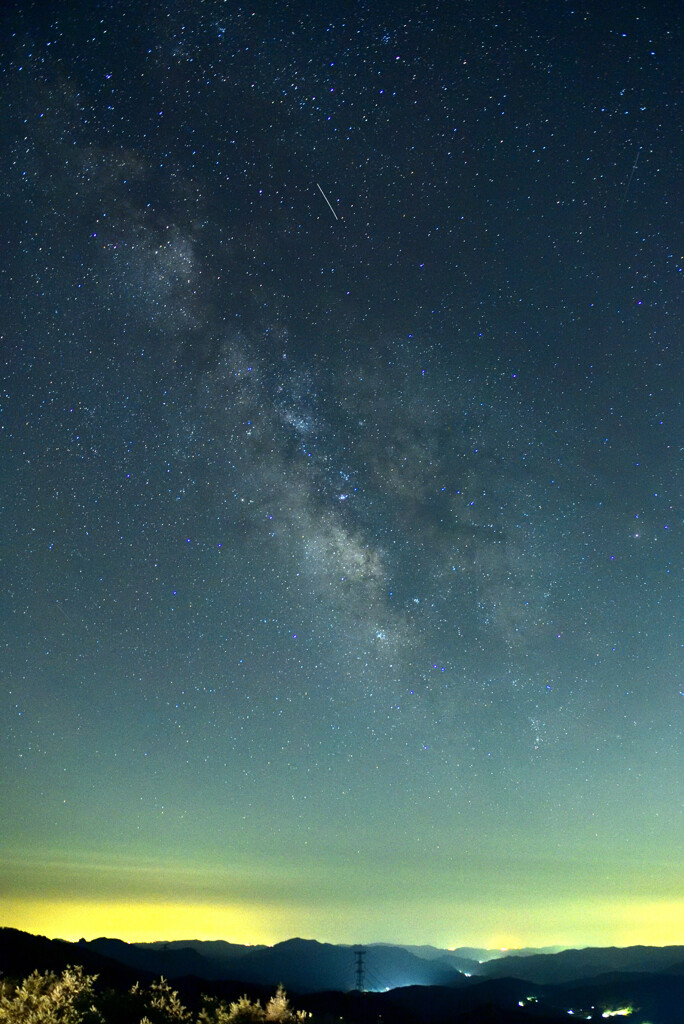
column 359, row 955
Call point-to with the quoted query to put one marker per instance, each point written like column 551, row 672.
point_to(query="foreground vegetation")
column 73, row 998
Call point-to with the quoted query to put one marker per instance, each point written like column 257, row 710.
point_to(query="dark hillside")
column 573, row 964
column 22, row 953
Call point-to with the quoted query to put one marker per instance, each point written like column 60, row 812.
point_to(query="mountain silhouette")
column 319, row 977
column 573, row 964
column 302, row 965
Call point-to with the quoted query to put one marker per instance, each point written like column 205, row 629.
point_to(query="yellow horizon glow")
column 136, row 920
column 572, row 925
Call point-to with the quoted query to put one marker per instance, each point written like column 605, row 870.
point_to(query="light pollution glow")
column 566, row 923
column 473, row 903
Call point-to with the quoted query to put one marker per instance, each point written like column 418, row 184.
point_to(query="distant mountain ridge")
column 647, row 979
column 305, row 965
column 475, row 954
column 574, row 964
column 217, row 948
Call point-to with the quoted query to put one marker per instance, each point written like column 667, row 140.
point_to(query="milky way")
column 341, row 491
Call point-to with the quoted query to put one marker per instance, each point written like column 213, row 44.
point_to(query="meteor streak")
column 327, row 201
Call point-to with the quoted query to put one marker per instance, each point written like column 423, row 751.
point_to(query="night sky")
column 340, row 580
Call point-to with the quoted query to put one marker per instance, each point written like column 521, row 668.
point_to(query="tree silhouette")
column 50, row 999
column 163, row 1005
column 71, row 998
column 244, row 1011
